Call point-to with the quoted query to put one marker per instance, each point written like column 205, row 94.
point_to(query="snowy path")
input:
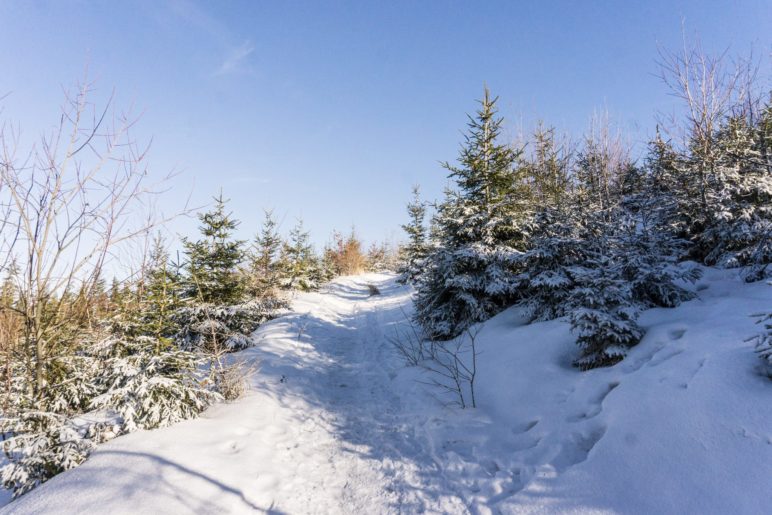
column 336, row 424
column 321, row 432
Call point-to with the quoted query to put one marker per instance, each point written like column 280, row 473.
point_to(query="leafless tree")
column 68, row 204
column 709, row 88
column 603, row 159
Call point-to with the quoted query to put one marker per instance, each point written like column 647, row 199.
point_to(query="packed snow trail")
column 320, row 432
column 336, row 424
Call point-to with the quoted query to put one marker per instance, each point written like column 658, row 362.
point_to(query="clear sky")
column 331, row 110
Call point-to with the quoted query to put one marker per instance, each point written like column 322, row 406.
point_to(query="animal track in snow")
column 676, row 334
column 658, row 358
column 524, row 428
column 460, row 448
column 525, row 444
column 597, row 405
column 508, row 490
column 700, row 364
column 491, row 467
column 563, row 396
column 577, row 448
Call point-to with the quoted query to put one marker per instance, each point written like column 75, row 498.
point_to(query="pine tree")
column 548, row 168
column 416, row 248
column 328, row 265
column 162, row 296
column 263, row 280
column 740, row 195
column 605, row 315
column 480, row 228
column 213, row 261
column 298, row 261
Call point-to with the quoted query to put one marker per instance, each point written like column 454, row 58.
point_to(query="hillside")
column 335, row 423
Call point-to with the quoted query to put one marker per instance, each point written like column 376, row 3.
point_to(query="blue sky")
column 332, row 110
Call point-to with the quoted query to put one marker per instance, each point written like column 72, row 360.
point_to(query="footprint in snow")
column 526, row 444
column 597, row 405
column 658, row 359
column 524, row 428
column 577, row 448
column 677, row 334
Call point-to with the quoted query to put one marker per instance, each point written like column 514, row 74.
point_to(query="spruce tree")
column 740, row 195
column 480, row 227
column 548, row 168
column 416, row 248
column 213, row 260
column 162, row 295
column 298, row 261
column 263, row 280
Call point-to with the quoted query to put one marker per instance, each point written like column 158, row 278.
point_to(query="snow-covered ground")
column 336, row 424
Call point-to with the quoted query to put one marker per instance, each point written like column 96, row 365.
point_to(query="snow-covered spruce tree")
column 263, row 274
column 628, row 262
column 151, row 383
column 380, row 257
column 300, row 269
column 662, row 199
column 739, row 232
column 604, row 316
column 547, row 169
column 213, row 260
column 415, row 250
column 603, row 251
column 479, row 227
column 160, row 296
column 543, row 281
column 723, row 178
column 328, row 267
column 223, row 328
column 38, row 445
column 214, row 317
column 764, row 343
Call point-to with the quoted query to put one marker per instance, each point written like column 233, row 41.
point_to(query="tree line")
column 586, row 231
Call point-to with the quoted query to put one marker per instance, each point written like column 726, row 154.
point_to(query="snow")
column 335, row 423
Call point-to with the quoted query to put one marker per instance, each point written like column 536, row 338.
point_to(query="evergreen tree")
column 162, row 296
column 264, row 280
column 416, row 249
column 605, row 315
column 548, row 168
column 740, row 195
column 213, row 260
column 480, row 228
column 298, row 261
column 328, row 266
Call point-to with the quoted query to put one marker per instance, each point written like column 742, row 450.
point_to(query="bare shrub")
column 232, row 380
column 455, row 362
column 452, row 364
